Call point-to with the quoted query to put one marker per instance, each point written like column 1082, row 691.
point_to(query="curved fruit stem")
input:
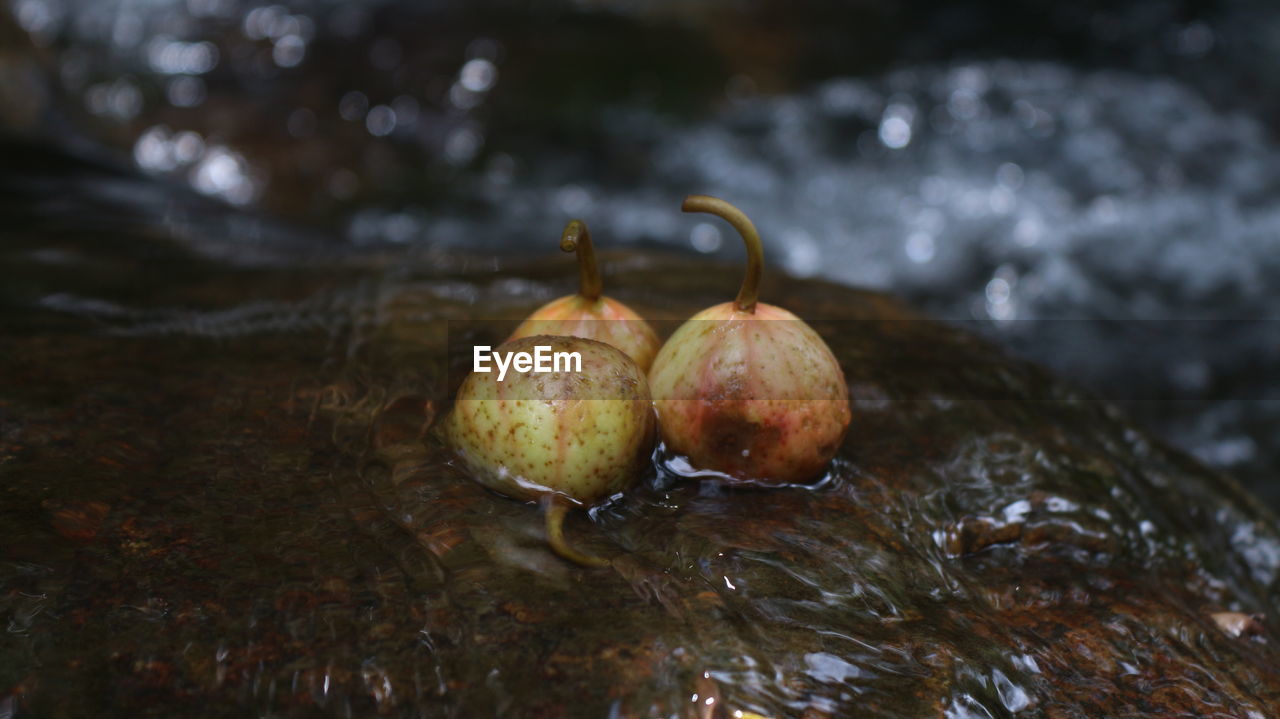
column 554, row 507
column 749, row 293
column 577, row 237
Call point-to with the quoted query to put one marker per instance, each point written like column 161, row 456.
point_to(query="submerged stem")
column 577, row 237
column 749, row 293
column 555, row 507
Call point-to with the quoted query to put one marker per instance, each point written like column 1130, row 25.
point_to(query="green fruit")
column 589, row 314
column 567, row 438
column 746, row 389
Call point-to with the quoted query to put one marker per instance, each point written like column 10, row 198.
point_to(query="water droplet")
column 920, row 247
column 895, row 132
column 381, row 121
column 223, row 173
column 705, row 237
column 188, row 146
column 289, row 51
column 153, row 151
column 478, row 75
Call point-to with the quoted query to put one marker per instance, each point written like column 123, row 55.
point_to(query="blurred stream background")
column 1092, row 184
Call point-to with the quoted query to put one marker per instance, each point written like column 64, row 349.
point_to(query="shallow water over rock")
column 222, row 495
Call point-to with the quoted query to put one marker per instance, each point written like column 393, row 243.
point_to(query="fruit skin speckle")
column 601, row 319
column 572, row 437
column 756, row 396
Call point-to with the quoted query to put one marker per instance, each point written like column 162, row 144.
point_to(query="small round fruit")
column 569, row 438
column 748, row 390
column 589, row 314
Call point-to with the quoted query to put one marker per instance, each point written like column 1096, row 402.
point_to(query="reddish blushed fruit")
column 748, row 390
column 567, row 438
column 589, row 314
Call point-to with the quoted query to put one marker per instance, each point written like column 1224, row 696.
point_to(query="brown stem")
column 555, row 507
column 577, row 237
column 749, row 293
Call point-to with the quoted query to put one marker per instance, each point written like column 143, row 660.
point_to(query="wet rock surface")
column 237, row 505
